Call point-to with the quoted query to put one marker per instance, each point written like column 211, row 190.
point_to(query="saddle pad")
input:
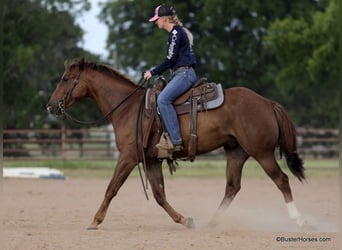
column 218, row 101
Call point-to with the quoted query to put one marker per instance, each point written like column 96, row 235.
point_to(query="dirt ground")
column 54, row 214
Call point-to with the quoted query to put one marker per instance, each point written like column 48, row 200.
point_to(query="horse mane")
column 103, row 68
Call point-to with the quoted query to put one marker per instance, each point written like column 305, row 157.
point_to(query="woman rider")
column 180, row 59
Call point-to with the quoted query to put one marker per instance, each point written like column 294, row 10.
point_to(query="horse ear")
column 66, row 63
column 81, row 63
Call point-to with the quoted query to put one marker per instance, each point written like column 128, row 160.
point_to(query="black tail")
column 288, row 141
column 295, row 164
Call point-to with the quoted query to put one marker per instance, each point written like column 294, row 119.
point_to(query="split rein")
column 61, row 103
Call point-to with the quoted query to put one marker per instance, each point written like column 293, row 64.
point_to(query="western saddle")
column 191, row 102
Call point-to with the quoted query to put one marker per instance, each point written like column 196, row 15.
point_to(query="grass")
column 199, row 168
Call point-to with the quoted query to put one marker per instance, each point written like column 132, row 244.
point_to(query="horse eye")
column 65, row 79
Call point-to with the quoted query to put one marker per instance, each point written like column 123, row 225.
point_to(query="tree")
column 306, row 69
column 38, row 37
column 228, row 35
column 229, row 41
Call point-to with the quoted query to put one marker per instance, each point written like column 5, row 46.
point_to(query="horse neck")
column 110, row 92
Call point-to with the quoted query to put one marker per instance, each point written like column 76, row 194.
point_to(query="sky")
column 95, row 32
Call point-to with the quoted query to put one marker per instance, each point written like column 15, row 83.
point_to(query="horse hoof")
column 92, row 228
column 189, row 223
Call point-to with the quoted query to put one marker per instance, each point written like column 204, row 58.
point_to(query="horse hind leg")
column 272, row 169
column 236, row 157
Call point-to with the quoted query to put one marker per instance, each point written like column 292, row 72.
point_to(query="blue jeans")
column 180, row 82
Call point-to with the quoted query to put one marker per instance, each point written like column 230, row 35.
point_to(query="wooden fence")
column 59, row 143
column 318, row 142
column 100, row 144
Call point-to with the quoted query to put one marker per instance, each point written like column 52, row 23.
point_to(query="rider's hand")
column 147, row 75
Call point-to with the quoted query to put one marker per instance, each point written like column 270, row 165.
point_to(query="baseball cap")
column 162, row 10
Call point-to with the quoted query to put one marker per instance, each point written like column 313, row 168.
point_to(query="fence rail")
column 38, row 144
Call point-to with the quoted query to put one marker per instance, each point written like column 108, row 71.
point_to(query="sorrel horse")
column 246, row 125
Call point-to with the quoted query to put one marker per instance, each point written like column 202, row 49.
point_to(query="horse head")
column 69, row 90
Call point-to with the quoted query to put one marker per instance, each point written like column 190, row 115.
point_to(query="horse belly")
column 213, row 130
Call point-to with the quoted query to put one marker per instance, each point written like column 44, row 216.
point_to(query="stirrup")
column 178, row 148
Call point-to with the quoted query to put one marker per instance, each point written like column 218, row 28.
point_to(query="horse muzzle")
column 57, row 108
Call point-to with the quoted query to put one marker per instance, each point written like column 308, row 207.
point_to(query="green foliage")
column 306, row 69
column 230, row 46
column 38, row 37
column 228, row 35
column 284, row 50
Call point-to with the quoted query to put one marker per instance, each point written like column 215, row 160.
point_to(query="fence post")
column 63, row 136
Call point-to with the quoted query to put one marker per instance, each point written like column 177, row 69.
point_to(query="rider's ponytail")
column 174, row 19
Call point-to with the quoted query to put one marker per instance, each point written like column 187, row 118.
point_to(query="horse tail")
column 287, row 141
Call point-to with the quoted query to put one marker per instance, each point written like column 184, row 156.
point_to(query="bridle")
column 61, row 102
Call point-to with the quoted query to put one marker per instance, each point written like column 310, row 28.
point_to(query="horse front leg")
column 156, row 179
column 123, row 168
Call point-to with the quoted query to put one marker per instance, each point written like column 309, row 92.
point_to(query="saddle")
column 202, row 96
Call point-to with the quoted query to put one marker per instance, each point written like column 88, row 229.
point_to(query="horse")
column 246, row 125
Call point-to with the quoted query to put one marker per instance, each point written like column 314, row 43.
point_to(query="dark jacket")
column 179, row 52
